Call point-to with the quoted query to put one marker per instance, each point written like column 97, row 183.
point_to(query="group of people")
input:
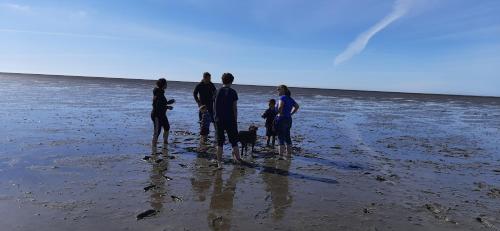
column 220, row 108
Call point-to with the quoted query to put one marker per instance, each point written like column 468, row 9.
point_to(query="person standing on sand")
column 270, row 116
column 159, row 113
column 286, row 108
column 226, row 118
column 206, row 119
column 204, row 94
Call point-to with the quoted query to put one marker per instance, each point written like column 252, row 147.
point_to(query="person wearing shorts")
column 226, row 114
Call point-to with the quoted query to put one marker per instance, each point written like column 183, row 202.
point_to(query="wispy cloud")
column 400, row 8
column 50, row 12
column 65, row 34
column 15, row 7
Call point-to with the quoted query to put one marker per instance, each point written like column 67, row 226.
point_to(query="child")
column 159, row 113
column 270, row 115
column 206, row 119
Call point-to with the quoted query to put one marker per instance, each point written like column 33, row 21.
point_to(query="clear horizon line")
column 243, row 84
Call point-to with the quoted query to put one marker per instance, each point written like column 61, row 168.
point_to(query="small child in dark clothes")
column 206, row 119
column 270, row 115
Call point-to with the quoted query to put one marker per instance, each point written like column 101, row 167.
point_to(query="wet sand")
column 72, row 150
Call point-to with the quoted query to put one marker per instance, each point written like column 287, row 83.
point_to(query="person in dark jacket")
column 226, row 118
column 159, row 113
column 204, row 94
column 270, row 116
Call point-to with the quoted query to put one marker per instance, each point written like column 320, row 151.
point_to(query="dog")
column 248, row 137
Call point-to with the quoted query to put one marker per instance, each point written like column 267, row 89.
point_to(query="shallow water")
column 71, row 152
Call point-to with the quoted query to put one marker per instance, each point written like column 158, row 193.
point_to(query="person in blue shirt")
column 226, row 118
column 286, row 108
column 159, row 113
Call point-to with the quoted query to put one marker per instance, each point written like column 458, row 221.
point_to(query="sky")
column 427, row 46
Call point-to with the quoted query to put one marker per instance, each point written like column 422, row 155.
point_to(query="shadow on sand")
column 262, row 168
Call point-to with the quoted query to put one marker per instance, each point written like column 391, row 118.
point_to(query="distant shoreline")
column 349, row 91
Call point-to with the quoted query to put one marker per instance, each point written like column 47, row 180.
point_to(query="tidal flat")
column 75, row 155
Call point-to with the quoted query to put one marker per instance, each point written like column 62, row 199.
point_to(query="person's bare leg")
column 154, row 143
column 236, row 154
column 203, row 142
column 282, row 151
column 165, row 137
column 289, row 150
column 156, row 134
column 164, row 151
column 218, row 155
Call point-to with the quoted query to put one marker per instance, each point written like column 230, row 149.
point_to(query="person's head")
column 161, row 83
column 272, row 103
column 207, row 77
column 203, row 109
column 227, row 78
column 283, row 90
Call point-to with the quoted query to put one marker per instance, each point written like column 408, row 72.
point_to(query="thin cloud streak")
column 50, row 33
column 400, row 8
column 15, row 7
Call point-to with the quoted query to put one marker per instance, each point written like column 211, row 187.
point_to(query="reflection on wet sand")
column 202, row 179
column 276, row 185
column 74, row 161
column 221, row 204
column 158, row 193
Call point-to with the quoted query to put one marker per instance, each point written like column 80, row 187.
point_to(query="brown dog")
column 248, row 137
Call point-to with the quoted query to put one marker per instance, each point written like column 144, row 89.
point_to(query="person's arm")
column 266, row 114
column 168, row 104
column 235, row 106
column 214, row 92
column 214, row 89
column 281, row 105
column 295, row 108
column 155, row 99
column 235, row 110
column 195, row 95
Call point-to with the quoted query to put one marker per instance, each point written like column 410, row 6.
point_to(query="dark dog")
column 248, row 137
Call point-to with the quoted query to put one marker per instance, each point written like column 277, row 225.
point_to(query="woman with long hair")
column 286, row 108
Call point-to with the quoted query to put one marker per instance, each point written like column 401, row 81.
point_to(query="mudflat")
column 75, row 155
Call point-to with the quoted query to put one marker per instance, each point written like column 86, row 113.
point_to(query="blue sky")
column 438, row 46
